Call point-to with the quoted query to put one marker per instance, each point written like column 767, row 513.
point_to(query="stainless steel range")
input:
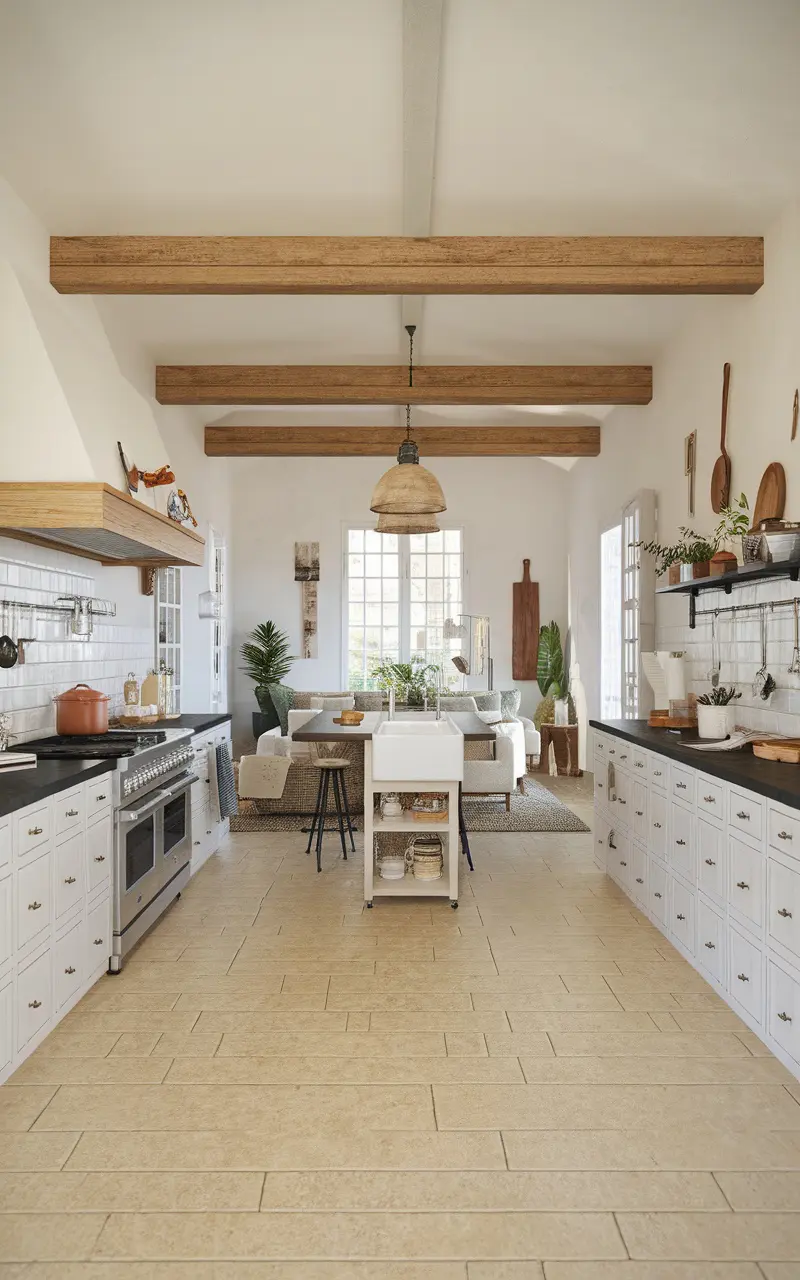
column 152, row 821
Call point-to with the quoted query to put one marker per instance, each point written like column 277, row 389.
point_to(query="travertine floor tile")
column 311, row 1070
column 90, row 1071
column 487, row 1192
column 767, row 1192
column 60, row 1236
column 738, row 1236
column 353, row 1236
column 77, row 1044
column 21, row 1104
column 270, row 1107
column 371, row 1270
column 109, row 1192
column 23, row 1151
column 652, row 1070
column 643, row 1044
column 263, row 1151
column 333, row 1044
column 670, row 1148
column 649, row 1271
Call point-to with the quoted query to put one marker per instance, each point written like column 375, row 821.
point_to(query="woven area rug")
column 537, row 810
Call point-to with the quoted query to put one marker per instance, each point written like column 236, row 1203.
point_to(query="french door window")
column 399, row 590
column 627, row 609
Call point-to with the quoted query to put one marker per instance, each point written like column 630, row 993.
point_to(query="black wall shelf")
column 745, row 575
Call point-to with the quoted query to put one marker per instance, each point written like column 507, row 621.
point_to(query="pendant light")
column 408, row 489
column 423, row 523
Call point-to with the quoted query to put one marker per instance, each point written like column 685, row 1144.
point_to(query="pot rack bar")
column 749, row 608
column 102, row 608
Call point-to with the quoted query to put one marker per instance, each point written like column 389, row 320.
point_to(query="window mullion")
column 404, row 543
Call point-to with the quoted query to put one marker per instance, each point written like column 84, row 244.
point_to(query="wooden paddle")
column 771, row 498
column 525, row 627
column 721, row 475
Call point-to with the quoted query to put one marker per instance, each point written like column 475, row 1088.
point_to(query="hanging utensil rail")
column 749, row 608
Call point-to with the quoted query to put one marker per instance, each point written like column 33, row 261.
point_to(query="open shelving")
column 745, row 575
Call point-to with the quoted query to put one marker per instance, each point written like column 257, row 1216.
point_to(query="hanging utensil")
column 8, row 650
column 760, row 678
column 713, row 674
column 23, row 640
column 794, row 665
column 689, row 466
column 795, row 410
column 721, row 475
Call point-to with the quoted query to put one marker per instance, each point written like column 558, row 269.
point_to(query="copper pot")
column 81, row 710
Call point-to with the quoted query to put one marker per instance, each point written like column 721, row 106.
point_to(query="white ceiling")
column 262, row 116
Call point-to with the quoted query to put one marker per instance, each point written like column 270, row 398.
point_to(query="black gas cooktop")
column 112, row 745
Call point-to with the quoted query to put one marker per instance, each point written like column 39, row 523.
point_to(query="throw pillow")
column 459, row 703
column 368, row 701
column 282, row 700
column 345, row 703
column 489, row 701
column 509, row 703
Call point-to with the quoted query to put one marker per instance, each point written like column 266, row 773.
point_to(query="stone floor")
column 284, row 1085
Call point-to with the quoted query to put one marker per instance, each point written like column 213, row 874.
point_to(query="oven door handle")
column 171, row 792
column 133, row 815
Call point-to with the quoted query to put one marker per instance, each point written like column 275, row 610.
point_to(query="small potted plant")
column 733, row 526
column 714, row 712
column 695, row 555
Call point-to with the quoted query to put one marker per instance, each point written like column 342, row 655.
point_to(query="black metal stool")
column 331, row 767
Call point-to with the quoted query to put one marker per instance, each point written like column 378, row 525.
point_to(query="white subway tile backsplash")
column 739, row 648
column 56, row 661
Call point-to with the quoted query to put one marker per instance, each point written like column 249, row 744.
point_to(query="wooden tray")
column 788, row 751
column 133, row 722
column 352, row 723
column 663, row 720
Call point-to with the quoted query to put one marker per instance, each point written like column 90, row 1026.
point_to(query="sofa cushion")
column 321, row 702
column 459, row 702
column 509, row 702
column 368, row 701
column 282, row 699
column 489, row 701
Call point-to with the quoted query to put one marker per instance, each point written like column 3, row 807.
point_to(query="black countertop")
column 323, row 729
column 22, row 787
column 769, row 778
column 197, row 722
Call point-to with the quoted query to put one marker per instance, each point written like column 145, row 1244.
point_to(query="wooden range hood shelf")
column 97, row 521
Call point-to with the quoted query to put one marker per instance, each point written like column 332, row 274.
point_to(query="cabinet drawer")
column 600, row 745
column 6, row 934
column 601, row 832
column 681, row 841
column 639, row 763
column 199, row 789
column 612, row 748
column 638, row 881
column 657, row 839
column 682, row 914
column 5, row 844
column 710, row 941
column 659, row 772
column 682, row 783
column 746, row 882
column 34, row 999
column 68, row 810
column 710, row 797
column 98, row 937
column 783, row 830
column 640, row 824
column 619, row 858
column 783, row 903
column 624, row 755
column 711, row 858
column 33, row 830
column 783, row 996
column 98, row 852
column 98, row 795
column 746, row 974
column 68, row 858
column 6, row 1025
column 69, row 962
column 746, row 814
column 623, row 803
column 657, row 891
column 34, row 900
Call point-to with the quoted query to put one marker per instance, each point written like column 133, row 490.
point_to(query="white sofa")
column 498, row 776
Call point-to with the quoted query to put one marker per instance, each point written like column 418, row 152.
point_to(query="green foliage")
column 719, row 697
column 266, row 655
column 410, row 680
column 734, row 522
column 545, row 713
column 550, row 663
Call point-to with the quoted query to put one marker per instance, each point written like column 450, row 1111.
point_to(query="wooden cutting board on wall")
column 525, row 626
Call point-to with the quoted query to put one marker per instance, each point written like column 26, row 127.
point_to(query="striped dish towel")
column 226, row 784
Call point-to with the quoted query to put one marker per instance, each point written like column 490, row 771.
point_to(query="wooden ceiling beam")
column 434, row 442
column 388, row 384
column 406, row 264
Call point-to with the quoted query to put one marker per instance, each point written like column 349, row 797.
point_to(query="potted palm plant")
column 267, row 660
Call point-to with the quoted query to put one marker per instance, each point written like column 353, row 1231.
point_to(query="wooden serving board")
column 663, row 720
column 787, row 751
column 771, row 497
column 525, row 626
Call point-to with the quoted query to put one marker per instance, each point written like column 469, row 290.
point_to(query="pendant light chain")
column 410, row 330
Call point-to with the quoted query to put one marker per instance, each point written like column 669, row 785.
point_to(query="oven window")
column 140, row 851
column 175, row 822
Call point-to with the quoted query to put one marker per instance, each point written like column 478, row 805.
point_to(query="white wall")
column 508, row 508
column 643, row 448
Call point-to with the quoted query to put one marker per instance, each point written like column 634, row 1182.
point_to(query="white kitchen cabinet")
column 54, row 903
column 716, row 867
column 208, row 831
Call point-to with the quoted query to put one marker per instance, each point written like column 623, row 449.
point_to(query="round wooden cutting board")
column 771, row 498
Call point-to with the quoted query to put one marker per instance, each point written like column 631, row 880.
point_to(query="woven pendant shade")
column 408, row 488
column 423, row 523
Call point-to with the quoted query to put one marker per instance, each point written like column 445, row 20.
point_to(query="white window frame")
column 166, row 652
column 637, row 602
column 404, row 612
column 218, row 582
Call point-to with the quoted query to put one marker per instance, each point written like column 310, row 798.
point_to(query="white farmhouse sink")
column 418, row 750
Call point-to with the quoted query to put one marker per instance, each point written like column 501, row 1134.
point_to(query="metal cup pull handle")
column 35, row 831
column 787, row 915
column 680, row 842
column 72, row 813
column 69, row 880
column 742, row 977
column 784, row 835
column 657, row 895
column 680, row 917
column 744, row 816
column 639, row 880
column 709, row 800
column 98, row 942
column 34, row 1004
column 784, row 1017
column 711, row 946
column 740, row 884
column 710, row 862
column 34, row 906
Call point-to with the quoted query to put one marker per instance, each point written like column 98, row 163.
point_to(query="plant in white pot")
column 714, row 712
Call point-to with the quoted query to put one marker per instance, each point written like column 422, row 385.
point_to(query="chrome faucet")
column 438, row 704
column 391, row 702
